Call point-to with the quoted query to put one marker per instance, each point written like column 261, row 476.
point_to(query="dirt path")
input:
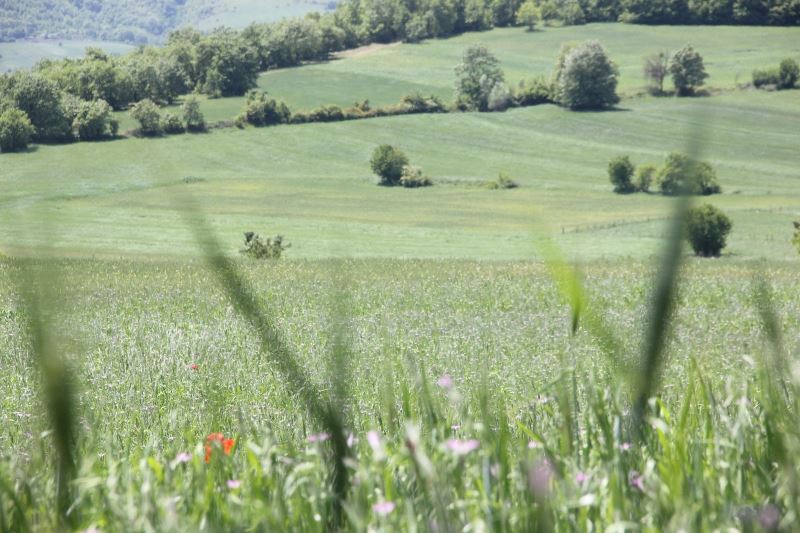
column 364, row 50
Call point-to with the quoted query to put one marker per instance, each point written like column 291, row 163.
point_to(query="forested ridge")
column 143, row 21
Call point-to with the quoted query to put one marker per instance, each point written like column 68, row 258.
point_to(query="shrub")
column 788, row 73
column 388, row 162
column 146, row 112
column 261, row 110
column 533, row 92
column 645, row 176
column 499, row 98
column 766, row 77
column 94, row 120
column 687, row 70
column 192, row 117
column 16, row 130
column 258, row 248
column 528, row 14
column 656, row 68
column 413, row 177
column 681, row 175
column 620, row 172
column 172, row 123
column 416, row 103
column 326, row 113
column 587, row 78
column 706, row 230
column 503, row 181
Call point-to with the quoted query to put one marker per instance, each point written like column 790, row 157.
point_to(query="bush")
column 172, row 123
column 681, row 175
column 388, row 163
column 687, row 70
column 503, row 181
column 261, row 110
column 706, row 230
column 533, row 92
column 620, row 171
column 94, row 120
column 416, row 103
column 147, row 114
column 476, row 76
column 326, row 113
column 16, row 130
column 499, row 98
column 413, row 177
column 766, row 77
column 258, row 248
column 645, row 176
column 192, row 117
column 586, row 77
column 788, row 72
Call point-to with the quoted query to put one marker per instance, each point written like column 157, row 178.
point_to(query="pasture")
column 25, row 54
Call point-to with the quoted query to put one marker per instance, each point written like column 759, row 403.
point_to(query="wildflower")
column 383, row 508
column 320, row 437
column 445, row 382
column 539, row 477
column 351, row 440
column 580, row 478
column 194, row 366
column 636, row 480
column 374, row 440
column 462, row 447
column 219, row 438
column 769, row 517
column 533, row 444
column 234, row 484
column 455, row 427
column 625, row 446
column 183, row 457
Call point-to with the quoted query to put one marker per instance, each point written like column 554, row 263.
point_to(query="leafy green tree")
column 476, row 76
column 707, row 229
column 682, row 175
column 16, row 130
column 788, row 73
column 586, row 77
column 528, row 14
column 147, row 113
column 388, row 163
column 94, row 120
column 645, row 176
column 620, row 172
column 687, row 71
column 227, row 65
column 796, row 238
column 192, row 116
column 40, row 99
column 172, row 124
column 261, row 110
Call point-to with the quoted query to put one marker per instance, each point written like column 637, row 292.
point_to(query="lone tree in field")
column 796, row 238
column 147, row 114
column 788, row 73
column 687, row 71
column 192, row 117
column 706, row 230
column 620, row 171
column 16, row 130
column 656, row 68
column 528, row 15
column 388, row 163
column 586, row 77
column 476, row 76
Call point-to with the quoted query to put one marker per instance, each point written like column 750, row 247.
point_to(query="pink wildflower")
column 462, row 447
column 383, row 508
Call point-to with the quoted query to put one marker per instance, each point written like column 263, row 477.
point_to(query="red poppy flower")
column 219, row 438
column 194, row 366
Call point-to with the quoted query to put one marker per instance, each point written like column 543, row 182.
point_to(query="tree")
column 796, row 238
column 476, row 76
column 620, row 171
column 706, row 230
column 687, row 70
column 528, row 14
column 40, row 99
column 147, row 114
column 788, row 72
column 172, row 124
column 587, row 78
column 388, row 163
column 94, row 120
column 656, row 68
column 192, row 116
column 682, row 175
column 645, row 175
column 16, row 130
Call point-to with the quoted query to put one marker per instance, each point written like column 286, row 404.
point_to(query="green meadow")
column 25, row 54
column 450, row 358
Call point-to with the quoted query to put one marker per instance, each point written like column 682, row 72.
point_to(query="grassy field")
column 411, row 364
column 312, row 183
column 25, row 54
column 240, row 13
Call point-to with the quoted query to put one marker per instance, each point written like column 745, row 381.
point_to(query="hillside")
column 133, row 21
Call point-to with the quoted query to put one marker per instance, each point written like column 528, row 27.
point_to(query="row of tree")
column 679, row 175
